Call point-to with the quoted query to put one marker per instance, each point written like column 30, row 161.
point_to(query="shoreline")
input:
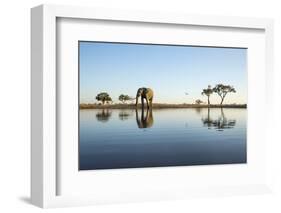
column 160, row 106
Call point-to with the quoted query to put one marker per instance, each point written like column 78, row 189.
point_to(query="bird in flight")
column 186, row 93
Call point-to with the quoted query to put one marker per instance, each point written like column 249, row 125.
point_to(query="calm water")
column 164, row 137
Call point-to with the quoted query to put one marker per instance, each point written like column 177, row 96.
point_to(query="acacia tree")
column 198, row 101
column 109, row 100
column 103, row 97
column 208, row 92
column 222, row 90
column 124, row 98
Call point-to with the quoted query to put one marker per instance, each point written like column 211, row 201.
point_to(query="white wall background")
column 15, row 104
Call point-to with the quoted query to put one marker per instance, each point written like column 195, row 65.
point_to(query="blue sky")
column 170, row 71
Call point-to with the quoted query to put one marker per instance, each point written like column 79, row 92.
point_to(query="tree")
column 207, row 92
column 109, row 100
column 124, row 98
column 222, row 90
column 103, row 97
column 198, row 101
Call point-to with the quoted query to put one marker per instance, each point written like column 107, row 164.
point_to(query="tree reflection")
column 198, row 110
column 104, row 115
column 219, row 124
column 146, row 119
column 124, row 115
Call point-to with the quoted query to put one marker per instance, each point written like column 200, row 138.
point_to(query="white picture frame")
column 44, row 148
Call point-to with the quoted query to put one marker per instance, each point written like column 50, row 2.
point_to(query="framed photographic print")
column 116, row 132
column 132, row 106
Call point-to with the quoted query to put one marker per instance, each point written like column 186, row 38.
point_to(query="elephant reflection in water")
column 146, row 119
column 103, row 115
column 219, row 124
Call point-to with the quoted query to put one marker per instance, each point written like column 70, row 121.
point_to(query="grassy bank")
column 159, row 106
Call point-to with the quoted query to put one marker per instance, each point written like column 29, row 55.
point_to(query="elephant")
column 146, row 120
column 147, row 94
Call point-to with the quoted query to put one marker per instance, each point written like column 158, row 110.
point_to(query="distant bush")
column 198, row 101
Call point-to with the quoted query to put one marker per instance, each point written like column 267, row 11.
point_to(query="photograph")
column 158, row 105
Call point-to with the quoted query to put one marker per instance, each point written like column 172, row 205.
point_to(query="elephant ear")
column 145, row 90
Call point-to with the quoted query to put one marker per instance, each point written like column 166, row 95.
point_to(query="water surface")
column 113, row 138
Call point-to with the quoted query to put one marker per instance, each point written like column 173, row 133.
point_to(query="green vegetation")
column 159, row 106
column 198, row 101
column 103, row 97
column 124, row 98
column 222, row 90
column 208, row 92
